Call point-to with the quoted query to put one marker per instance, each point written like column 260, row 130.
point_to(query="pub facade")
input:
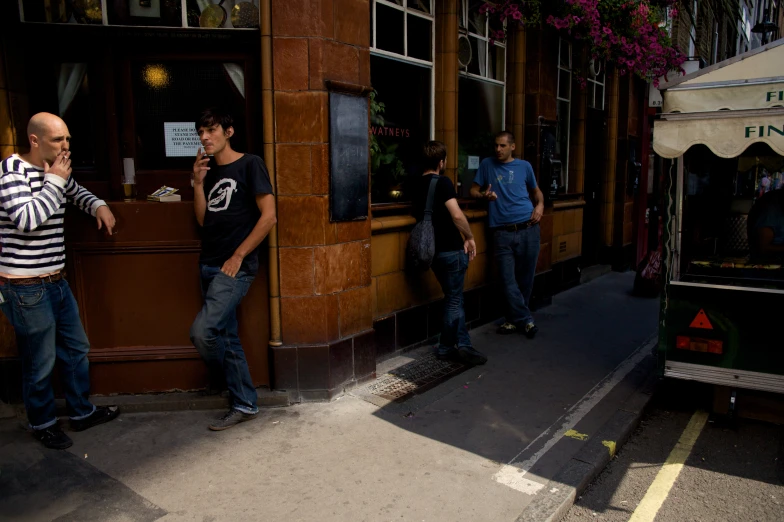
column 332, row 297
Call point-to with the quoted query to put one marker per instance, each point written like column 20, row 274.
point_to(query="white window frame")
column 693, row 30
column 565, row 164
column 404, row 57
column 184, row 25
column 466, row 30
column 596, row 82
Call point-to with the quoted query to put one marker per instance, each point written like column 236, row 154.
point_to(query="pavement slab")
column 435, row 456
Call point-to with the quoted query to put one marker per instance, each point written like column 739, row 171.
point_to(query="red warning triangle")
column 701, row 321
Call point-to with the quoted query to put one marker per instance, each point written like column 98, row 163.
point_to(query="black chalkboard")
column 348, row 157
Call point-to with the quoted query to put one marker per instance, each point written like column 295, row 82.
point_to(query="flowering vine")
column 628, row 34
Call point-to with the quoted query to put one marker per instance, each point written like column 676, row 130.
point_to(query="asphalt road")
column 733, row 472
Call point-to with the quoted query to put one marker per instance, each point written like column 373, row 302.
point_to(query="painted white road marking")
column 513, row 474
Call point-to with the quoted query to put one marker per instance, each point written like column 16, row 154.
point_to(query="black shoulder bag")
column 421, row 247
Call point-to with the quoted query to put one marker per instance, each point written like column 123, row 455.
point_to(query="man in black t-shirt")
column 452, row 253
column 234, row 205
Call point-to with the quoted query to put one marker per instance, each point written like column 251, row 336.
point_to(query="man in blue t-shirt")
column 515, row 207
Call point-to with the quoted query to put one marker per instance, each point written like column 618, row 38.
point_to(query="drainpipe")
column 269, row 157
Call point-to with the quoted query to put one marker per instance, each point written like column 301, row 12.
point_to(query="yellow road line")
column 657, row 493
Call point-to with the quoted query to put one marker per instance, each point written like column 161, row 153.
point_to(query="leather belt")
column 29, row 281
column 515, row 227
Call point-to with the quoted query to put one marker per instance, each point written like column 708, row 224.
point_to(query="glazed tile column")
column 325, row 299
column 515, row 85
column 610, row 157
column 577, row 140
column 446, row 85
column 8, row 145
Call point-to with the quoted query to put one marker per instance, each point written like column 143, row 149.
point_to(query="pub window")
column 166, row 104
column 481, row 91
column 595, row 85
column 212, row 14
column 74, row 90
column 132, row 108
column 401, row 71
column 564, row 99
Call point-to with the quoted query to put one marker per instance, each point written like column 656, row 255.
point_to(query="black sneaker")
column 53, row 437
column 101, row 415
column 450, row 355
column 530, row 330
column 230, row 419
column 506, row 329
column 470, row 356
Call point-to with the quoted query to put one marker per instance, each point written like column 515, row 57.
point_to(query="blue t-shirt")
column 512, row 182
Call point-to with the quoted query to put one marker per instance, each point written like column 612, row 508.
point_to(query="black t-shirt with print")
column 231, row 209
column 448, row 238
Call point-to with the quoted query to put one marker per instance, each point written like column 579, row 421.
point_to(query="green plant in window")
column 387, row 171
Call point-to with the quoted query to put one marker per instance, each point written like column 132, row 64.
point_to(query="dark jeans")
column 516, row 253
column 46, row 321
column 215, row 334
column 450, row 269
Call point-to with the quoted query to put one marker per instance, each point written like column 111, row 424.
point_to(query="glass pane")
column 62, row 11
column 477, row 23
column 161, row 13
column 478, row 64
column 496, row 25
column 240, row 14
column 420, row 40
column 566, row 54
column 564, row 84
column 75, row 107
column 562, row 134
column 497, row 63
column 420, row 5
column 729, row 205
column 400, row 123
column 480, row 115
column 591, row 87
column 389, row 29
column 163, row 92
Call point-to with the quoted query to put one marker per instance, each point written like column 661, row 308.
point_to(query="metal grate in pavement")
column 416, row 376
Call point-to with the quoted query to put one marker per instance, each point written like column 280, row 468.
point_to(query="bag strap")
column 431, row 193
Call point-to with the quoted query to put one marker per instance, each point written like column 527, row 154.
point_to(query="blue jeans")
column 215, row 333
column 46, row 321
column 450, row 269
column 516, row 254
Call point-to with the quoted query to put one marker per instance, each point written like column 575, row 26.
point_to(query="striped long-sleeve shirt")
column 32, row 210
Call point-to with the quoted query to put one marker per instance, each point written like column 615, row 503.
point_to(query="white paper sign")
column 181, row 139
column 473, row 162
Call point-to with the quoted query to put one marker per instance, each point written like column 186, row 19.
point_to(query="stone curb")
column 553, row 502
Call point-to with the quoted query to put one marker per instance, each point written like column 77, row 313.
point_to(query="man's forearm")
column 199, row 203
column 462, row 225
column 476, row 193
column 538, row 197
column 256, row 236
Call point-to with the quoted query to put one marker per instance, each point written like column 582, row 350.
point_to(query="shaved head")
column 49, row 136
column 40, row 123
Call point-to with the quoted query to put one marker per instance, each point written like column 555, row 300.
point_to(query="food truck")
column 721, row 134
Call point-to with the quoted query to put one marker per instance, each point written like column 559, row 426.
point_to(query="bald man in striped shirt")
column 34, row 296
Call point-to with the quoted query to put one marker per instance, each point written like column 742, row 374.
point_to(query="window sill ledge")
column 384, row 224
column 563, row 205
